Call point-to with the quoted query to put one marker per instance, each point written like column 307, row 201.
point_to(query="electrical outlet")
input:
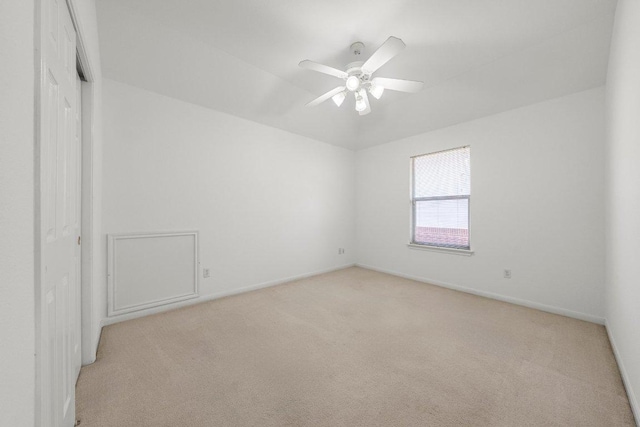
column 507, row 274
column 340, row 251
column 206, row 273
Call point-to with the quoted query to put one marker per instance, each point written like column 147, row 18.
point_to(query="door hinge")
column 79, row 239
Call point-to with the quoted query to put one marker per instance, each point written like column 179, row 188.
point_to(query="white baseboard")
column 204, row 298
column 525, row 303
column 633, row 402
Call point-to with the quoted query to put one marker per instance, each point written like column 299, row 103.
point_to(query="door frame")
column 88, row 191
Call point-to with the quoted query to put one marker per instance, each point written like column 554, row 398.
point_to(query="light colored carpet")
column 353, row 348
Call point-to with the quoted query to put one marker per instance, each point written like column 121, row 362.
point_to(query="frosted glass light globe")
column 376, row 91
column 353, row 83
column 339, row 98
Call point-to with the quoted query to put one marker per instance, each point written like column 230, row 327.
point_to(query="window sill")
column 463, row 252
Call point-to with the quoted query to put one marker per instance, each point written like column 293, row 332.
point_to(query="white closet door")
column 59, row 216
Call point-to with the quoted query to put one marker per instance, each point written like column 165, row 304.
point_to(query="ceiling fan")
column 357, row 77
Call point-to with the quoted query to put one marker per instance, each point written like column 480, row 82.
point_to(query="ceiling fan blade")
column 398, row 84
column 388, row 50
column 363, row 94
column 328, row 95
column 325, row 69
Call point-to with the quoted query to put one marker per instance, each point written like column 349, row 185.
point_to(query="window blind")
column 440, row 198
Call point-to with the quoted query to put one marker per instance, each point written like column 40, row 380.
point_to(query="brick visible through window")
column 441, row 193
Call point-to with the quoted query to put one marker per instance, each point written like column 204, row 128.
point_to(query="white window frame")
column 413, row 202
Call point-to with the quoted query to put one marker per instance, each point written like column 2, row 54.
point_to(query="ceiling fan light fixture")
column 353, row 83
column 339, row 98
column 376, row 91
column 358, row 77
column 360, row 104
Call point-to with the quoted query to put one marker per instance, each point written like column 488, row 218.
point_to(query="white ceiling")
column 476, row 57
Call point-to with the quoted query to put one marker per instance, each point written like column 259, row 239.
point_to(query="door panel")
column 68, row 196
column 49, row 356
column 60, row 218
column 62, row 336
column 50, row 157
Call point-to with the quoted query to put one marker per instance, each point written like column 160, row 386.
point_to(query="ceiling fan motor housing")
column 354, row 68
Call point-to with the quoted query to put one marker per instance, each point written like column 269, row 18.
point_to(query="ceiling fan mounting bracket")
column 357, row 48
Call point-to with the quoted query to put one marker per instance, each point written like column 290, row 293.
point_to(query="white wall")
column 17, row 322
column 536, row 206
column 269, row 204
column 623, row 196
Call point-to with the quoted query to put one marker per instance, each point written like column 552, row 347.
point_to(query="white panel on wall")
column 151, row 269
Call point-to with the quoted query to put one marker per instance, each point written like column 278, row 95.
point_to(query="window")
column 440, row 198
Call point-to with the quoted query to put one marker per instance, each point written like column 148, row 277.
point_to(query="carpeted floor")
column 353, row 348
